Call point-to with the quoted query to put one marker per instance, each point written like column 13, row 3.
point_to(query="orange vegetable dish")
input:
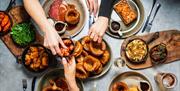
column 5, row 22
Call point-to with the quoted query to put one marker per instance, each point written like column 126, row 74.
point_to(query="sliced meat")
column 57, row 10
column 54, row 9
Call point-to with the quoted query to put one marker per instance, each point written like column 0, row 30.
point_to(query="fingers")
column 99, row 39
column 62, row 43
column 95, row 38
column 57, row 49
column 91, row 4
column 64, row 62
column 52, row 50
column 95, row 7
column 88, row 3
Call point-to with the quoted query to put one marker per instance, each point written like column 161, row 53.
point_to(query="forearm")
column 37, row 13
column 106, row 8
column 72, row 84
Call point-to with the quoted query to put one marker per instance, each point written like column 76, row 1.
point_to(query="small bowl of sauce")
column 115, row 26
column 60, row 27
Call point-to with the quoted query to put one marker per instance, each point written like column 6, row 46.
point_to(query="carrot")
column 5, row 21
column 6, row 27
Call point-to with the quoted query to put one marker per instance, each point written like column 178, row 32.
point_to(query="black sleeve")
column 106, row 8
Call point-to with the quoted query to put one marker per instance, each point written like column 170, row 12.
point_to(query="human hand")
column 52, row 40
column 93, row 6
column 69, row 72
column 98, row 29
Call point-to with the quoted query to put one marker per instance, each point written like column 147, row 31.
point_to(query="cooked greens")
column 23, row 34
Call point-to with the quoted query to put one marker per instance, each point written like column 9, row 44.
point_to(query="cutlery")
column 33, row 83
column 24, row 82
column 148, row 17
column 91, row 19
column 149, row 25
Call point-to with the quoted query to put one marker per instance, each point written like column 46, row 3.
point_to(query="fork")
column 24, row 82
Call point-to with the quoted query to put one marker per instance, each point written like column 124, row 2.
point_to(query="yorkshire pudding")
column 90, row 63
column 119, row 86
column 85, row 42
column 136, row 51
column 97, row 49
column 105, row 57
column 98, row 69
column 81, row 72
column 81, row 57
column 77, row 49
column 52, row 88
column 61, row 83
column 72, row 16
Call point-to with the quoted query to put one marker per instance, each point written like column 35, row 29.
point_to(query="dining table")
column 167, row 18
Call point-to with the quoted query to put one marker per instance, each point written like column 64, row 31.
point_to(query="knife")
column 149, row 25
column 148, row 17
column 33, row 83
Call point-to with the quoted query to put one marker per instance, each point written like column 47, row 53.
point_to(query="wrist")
column 103, row 18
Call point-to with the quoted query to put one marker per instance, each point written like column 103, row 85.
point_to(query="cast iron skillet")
column 51, row 61
column 151, row 39
column 6, row 12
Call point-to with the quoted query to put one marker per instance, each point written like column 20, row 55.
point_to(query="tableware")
column 166, row 80
column 119, row 62
column 136, row 50
column 51, row 61
column 6, row 23
column 107, row 66
column 134, row 27
column 148, row 17
column 60, row 27
column 131, row 78
column 169, row 38
column 115, row 26
column 44, row 80
column 149, row 25
column 79, row 6
column 24, row 82
column 12, row 2
column 33, row 83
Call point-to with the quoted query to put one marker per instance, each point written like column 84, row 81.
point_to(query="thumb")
column 64, row 62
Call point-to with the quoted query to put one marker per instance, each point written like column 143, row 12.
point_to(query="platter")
column 169, row 37
column 107, row 66
column 131, row 78
column 44, row 80
column 131, row 29
column 79, row 6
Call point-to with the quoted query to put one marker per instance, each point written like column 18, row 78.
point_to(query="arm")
column 69, row 72
column 51, row 37
column 98, row 29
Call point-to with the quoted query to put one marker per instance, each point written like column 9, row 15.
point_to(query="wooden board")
column 16, row 50
column 170, row 37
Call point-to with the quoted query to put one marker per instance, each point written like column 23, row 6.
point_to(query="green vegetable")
column 23, row 34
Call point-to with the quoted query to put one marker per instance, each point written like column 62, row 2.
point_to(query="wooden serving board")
column 16, row 50
column 170, row 37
